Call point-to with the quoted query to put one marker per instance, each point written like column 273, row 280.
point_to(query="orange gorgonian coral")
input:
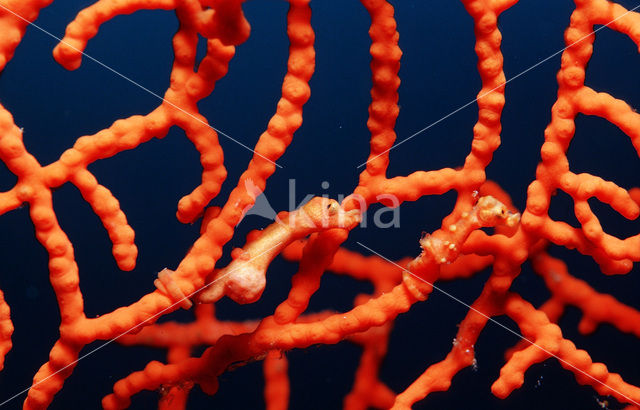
column 234, row 259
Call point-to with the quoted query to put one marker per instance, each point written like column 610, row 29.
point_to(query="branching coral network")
column 482, row 230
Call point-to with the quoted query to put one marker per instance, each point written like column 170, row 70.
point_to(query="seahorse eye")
column 332, row 208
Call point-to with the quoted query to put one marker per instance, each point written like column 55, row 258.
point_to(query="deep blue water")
column 438, row 75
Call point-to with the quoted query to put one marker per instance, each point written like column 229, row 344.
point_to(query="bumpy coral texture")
column 457, row 250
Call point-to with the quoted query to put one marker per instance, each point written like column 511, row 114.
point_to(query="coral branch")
column 481, row 229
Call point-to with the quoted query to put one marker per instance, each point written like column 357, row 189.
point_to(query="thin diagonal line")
column 496, row 87
column 490, row 319
column 108, row 342
column 139, row 85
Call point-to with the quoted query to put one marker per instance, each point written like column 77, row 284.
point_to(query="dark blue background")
column 438, row 75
